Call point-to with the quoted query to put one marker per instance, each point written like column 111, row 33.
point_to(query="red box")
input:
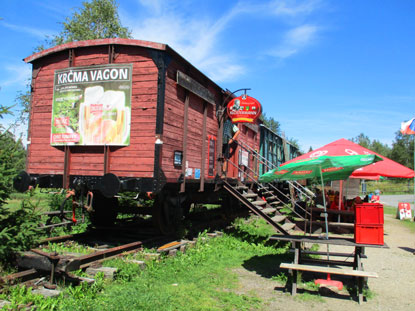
column 368, row 234
column 369, row 214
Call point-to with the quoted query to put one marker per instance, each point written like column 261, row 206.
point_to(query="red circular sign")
column 244, row 109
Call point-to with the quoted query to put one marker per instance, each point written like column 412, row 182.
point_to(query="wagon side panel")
column 174, row 125
column 42, row 158
column 137, row 159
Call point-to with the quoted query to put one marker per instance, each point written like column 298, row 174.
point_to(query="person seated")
column 357, row 200
column 376, row 197
column 335, row 204
column 331, row 196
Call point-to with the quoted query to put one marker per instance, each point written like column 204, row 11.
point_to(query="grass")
column 389, row 210
column 201, row 279
column 391, row 186
column 67, row 247
column 38, row 198
column 409, row 223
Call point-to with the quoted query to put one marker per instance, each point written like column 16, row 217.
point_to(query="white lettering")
column 114, row 74
column 123, row 74
column 77, row 76
column 106, row 74
column 85, row 77
column 99, row 75
column 93, row 75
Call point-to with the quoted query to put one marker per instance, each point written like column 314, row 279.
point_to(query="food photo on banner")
column 92, row 105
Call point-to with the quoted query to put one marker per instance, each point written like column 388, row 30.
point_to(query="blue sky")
column 325, row 69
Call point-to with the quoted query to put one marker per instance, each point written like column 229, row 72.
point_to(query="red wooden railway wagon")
column 165, row 137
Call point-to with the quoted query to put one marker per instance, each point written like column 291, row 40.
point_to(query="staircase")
column 265, row 200
column 268, row 209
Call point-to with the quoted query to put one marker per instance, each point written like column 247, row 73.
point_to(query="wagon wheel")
column 167, row 215
column 104, row 210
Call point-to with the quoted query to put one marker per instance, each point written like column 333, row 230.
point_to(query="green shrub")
column 19, row 229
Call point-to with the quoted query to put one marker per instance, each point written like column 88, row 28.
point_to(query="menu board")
column 92, row 105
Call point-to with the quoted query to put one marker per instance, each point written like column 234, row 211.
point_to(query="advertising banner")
column 404, row 210
column 244, row 109
column 92, row 105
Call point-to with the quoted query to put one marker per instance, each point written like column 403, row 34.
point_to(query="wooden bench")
column 334, row 254
column 359, row 274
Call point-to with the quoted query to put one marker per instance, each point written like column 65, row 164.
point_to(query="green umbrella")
column 323, row 168
column 330, row 167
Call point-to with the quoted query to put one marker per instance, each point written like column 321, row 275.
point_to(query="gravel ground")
column 393, row 289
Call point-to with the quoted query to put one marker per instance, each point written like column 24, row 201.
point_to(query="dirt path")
column 393, row 290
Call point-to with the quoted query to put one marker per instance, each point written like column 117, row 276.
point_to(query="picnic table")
column 298, row 263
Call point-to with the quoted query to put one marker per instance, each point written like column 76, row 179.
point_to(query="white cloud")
column 195, row 38
column 16, row 75
column 35, row 32
column 154, row 5
column 295, row 40
column 293, row 8
column 201, row 38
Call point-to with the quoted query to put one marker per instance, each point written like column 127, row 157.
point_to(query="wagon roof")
column 117, row 41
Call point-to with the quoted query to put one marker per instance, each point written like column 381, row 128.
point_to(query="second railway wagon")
column 121, row 115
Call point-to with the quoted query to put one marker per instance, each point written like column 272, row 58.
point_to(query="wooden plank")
column 184, row 146
column 321, row 269
column 332, row 254
column 319, row 240
column 195, row 87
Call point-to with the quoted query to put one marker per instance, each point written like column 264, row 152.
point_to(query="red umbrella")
column 341, row 147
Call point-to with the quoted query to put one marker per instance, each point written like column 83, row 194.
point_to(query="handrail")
column 262, row 187
column 271, row 165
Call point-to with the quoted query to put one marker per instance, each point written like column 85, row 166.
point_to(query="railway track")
column 44, row 265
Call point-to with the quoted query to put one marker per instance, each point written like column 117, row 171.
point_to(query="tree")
column 403, row 150
column 362, row 140
column 294, row 142
column 19, row 227
column 375, row 145
column 97, row 19
column 12, row 160
column 271, row 123
column 382, row 149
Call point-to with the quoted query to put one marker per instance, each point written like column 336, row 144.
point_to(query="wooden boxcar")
column 275, row 149
column 174, row 116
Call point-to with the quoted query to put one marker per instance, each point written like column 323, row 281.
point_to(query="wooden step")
column 274, row 203
column 259, row 202
column 241, row 188
column 267, row 193
column 268, row 210
column 250, row 195
column 279, row 218
column 288, row 226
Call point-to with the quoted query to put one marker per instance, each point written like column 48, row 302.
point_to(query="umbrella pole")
column 340, row 198
column 324, row 202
